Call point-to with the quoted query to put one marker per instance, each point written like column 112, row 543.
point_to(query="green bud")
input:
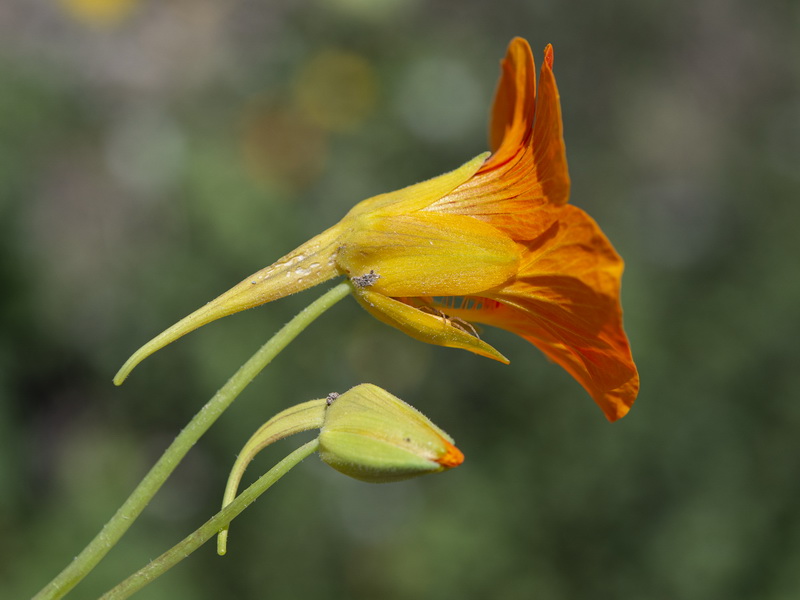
column 365, row 433
column 371, row 435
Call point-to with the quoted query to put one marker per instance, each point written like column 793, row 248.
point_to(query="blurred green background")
column 154, row 153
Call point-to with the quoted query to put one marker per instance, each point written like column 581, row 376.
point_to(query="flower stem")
column 94, row 552
column 194, row 540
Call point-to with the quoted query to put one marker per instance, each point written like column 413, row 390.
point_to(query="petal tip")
column 548, row 56
column 453, row 457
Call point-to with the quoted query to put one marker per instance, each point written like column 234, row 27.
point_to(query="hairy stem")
column 94, row 552
column 193, row 541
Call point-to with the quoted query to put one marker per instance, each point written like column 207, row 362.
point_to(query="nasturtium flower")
column 493, row 242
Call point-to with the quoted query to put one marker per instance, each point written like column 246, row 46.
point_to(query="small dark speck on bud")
column 366, row 280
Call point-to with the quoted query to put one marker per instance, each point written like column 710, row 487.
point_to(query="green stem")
column 147, row 488
column 193, row 541
column 302, row 417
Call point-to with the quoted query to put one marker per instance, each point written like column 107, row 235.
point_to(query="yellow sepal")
column 423, row 326
column 420, row 195
column 429, row 254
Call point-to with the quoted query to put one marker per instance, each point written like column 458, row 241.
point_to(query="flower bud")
column 371, row 435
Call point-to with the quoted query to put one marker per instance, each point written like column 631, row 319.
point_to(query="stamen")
column 464, row 326
column 456, row 322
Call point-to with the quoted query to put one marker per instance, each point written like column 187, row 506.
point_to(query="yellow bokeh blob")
column 279, row 147
column 336, row 90
column 99, row 12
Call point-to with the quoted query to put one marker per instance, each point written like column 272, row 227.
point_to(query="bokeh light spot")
column 440, row 99
column 146, row 151
column 373, row 9
column 279, row 147
column 99, row 12
column 336, row 90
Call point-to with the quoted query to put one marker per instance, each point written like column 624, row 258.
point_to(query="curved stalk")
column 193, row 541
column 94, row 552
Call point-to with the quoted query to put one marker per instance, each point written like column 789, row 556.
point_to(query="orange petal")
column 512, row 206
column 452, row 457
column 566, row 302
column 427, row 254
column 513, row 107
column 426, row 327
column 607, row 373
column 569, row 286
column 550, row 157
column 599, row 361
column 529, row 169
